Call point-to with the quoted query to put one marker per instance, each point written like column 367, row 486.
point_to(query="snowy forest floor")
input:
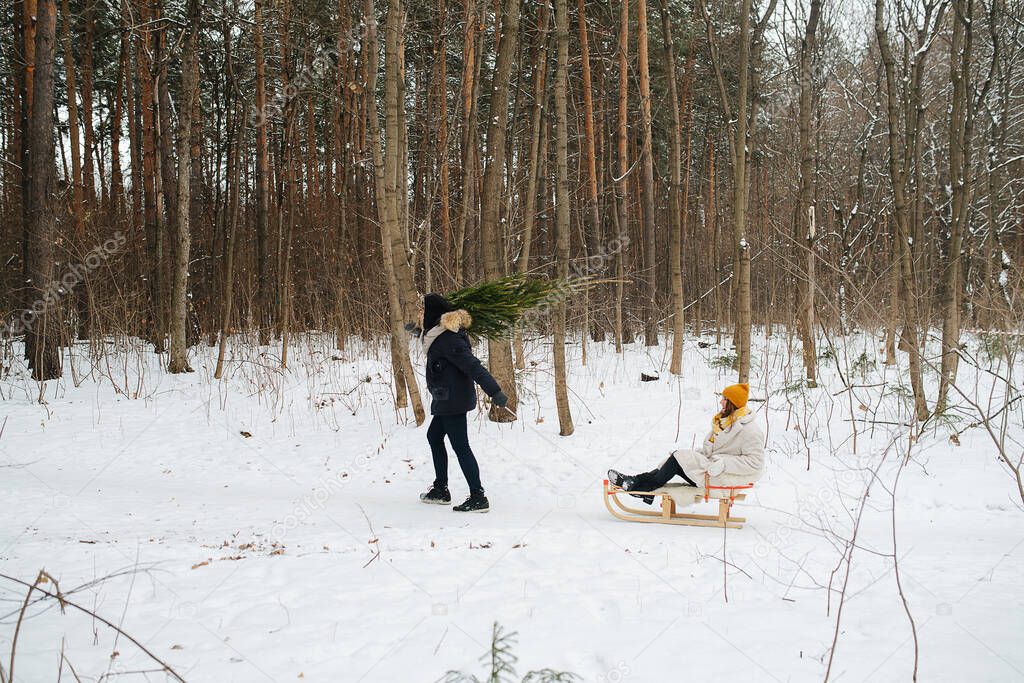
column 266, row 527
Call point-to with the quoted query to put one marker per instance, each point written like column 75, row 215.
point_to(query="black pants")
column 659, row 476
column 454, row 427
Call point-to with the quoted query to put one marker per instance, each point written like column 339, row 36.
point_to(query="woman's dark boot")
column 615, row 478
column 477, row 502
column 639, row 482
column 437, row 495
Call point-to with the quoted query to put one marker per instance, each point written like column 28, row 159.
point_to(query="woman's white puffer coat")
column 741, row 446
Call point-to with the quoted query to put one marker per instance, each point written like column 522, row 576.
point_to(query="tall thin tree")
column 41, row 338
column 565, row 425
column 499, row 350
column 178, row 361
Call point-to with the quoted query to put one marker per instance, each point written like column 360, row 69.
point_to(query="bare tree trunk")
column 396, row 170
column 150, row 178
column 183, row 237
column 229, row 242
column 134, row 132
column 74, row 140
column 892, row 320
column 805, row 223
column 899, row 172
column 961, row 130
column 468, row 112
column 264, row 316
column 338, row 199
column 116, row 114
column 499, row 358
column 565, row 425
column 593, row 217
column 739, row 145
column 235, row 125
column 716, row 255
column 291, row 181
column 676, row 206
column 386, row 180
column 442, row 138
column 167, row 196
column 622, row 186
column 88, row 177
column 741, row 151
column 41, row 334
column 647, row 180
column 73, row 133
column 26, row 41
column 529, row 201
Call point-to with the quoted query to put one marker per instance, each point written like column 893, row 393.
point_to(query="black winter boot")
column 477, row 502
column 436, row 495
column 615, row 478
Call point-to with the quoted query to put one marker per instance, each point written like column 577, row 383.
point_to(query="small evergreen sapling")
column 502, row 662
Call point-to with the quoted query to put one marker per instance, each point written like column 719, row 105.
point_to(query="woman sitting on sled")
column 732, row 454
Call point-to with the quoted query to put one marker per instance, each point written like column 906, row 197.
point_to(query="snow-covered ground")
column 267, row 527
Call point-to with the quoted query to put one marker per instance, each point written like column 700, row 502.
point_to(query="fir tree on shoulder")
column 502, row 665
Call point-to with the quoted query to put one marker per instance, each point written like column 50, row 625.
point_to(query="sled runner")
column 684, row 495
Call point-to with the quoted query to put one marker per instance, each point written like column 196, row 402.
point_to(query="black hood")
column 434, row 306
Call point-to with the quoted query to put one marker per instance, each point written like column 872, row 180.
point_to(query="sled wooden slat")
column 668, row 513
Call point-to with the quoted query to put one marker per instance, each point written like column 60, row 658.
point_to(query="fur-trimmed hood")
column 455, row 320
column 452, row 321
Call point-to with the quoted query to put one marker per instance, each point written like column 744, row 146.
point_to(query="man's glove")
column 716, row 467
column 500, row 399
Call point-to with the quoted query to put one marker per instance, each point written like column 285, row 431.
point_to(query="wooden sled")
column 726, row 496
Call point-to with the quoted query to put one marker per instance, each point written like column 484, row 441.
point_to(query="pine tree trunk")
column 647, row 180
column 74, row 138
column 676, row 206
column 150, row 179
column 338, row 198
column 622, row 181
column 565, row 426
column 116, row 114
column 291, row 181
column 468, row 113
column 235, row 145
column 264, row 315
column 86, row 47
column 235, row 141
column 41, row 334
column 444, row 189
column 593, row 230
column 134, row 133
column 529, row 200
column 77, row 207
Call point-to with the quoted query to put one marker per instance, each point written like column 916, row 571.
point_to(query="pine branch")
column 498, row 306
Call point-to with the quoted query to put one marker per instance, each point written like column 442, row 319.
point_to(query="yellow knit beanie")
column 737, row 394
